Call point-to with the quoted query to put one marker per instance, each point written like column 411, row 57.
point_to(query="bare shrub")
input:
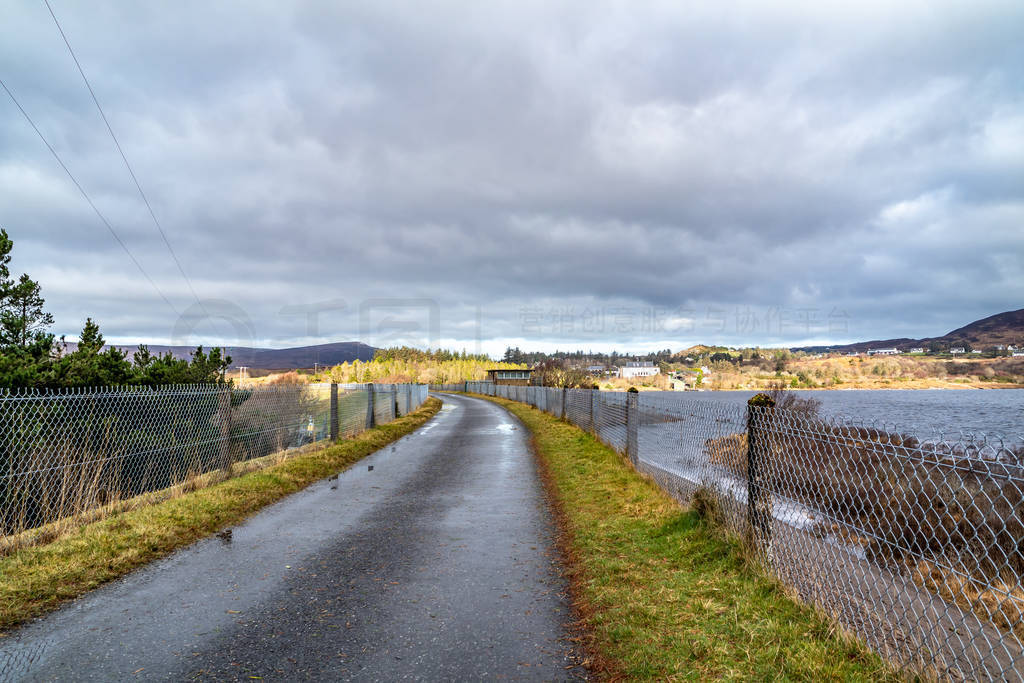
column 705, row 503
column 729, row 452
column 787, row 400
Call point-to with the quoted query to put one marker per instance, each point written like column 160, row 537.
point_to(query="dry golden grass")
column 63, row 484
column 729, row 452
column 37, row 579
column 995, row 600
column 861, row 372
column 189, row 481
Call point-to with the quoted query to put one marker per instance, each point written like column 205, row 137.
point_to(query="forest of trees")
column 407, row 353
column 33, row 357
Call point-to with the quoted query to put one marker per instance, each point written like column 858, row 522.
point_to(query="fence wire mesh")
column 915, row 545
column 63, row 454
column 384, row 399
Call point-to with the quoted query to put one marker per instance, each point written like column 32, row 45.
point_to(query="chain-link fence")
column 64, row 454
column 915, row 545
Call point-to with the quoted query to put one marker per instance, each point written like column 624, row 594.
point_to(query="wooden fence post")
column 758, row 504
column 334, row 411
column 633, row 426
column 370, row 420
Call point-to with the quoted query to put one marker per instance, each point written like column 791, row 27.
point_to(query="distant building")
column 596, row 369
column 883, row 352
column 916, row 349
column 518, row 377
column 1018, row 354
column 978, row 351
column 957, row 349
column 688, row 376
column 639, row 369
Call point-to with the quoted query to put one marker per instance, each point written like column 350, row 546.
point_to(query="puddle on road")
column 446, row 408
column 500, row 428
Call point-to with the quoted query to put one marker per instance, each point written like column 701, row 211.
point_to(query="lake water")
column 922, row 412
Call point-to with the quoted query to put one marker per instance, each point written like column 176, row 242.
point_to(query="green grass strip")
column 35, row 580
column 661, row 593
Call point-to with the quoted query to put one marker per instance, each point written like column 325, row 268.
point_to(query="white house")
column 917, row 349
column 883, row 352
column 957, row 349
column 639, row 369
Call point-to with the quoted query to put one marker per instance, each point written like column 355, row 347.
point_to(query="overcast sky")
column 630, row 175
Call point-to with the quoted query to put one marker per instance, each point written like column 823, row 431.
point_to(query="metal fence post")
column 408, row 399
column 564, row 415
column 224, row 410
column 334, row 411
column 369, row 406
column 758, row 505
column 633, row 427
column 595, row 410
column 394, row 402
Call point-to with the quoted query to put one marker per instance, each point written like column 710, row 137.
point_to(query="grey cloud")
column 862, row 160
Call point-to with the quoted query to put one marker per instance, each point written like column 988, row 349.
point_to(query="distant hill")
column 272, row 359
column 698, row 350
column 1002, row 328
column 301, row 356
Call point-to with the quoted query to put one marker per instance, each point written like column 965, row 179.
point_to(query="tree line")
column 33, row 357
column 407, row 353
column 516, row 355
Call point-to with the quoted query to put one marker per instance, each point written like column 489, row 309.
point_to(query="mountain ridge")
column 267, row 359
column 999, row 329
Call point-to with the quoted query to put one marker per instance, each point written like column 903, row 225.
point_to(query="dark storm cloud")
column 574, row 173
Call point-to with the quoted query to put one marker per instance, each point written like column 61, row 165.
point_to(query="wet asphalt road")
column 436, row 565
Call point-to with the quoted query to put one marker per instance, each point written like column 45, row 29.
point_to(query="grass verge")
column 662, row 594
column 35, row 580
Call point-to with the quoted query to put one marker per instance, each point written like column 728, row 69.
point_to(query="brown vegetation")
column 949, row 517
column 863, row 372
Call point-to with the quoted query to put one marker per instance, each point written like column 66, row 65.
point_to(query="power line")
column 124, row 158
column 85, row 194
